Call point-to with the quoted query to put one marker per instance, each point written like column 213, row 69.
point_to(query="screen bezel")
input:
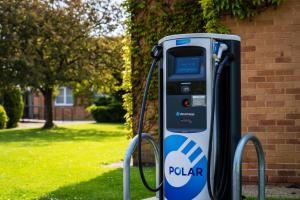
column 186, row 51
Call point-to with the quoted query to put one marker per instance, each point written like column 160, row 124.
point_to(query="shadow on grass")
column 107, row 186
column 58, row 135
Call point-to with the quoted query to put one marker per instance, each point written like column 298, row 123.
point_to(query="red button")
column 186, row 103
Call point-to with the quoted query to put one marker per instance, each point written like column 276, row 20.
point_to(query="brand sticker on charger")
column 185, row 167
column 198, row 100
column 183, row 41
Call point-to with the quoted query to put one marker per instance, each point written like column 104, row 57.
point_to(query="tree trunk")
column 48, row 97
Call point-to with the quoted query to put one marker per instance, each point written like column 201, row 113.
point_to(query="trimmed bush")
column 13, row 105
column 109, row 113
column 3, row 118
column 104, row 101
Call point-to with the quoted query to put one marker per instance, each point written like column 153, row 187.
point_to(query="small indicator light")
column 186, row 103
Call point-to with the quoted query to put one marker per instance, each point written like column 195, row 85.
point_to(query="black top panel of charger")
column 186, row 79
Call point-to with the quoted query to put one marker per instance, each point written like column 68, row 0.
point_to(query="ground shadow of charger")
column 38, row 136
column 108, row 186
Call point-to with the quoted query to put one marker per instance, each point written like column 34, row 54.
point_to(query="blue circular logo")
column 184, row 168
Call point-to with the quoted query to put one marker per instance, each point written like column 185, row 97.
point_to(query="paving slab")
column 33, row 123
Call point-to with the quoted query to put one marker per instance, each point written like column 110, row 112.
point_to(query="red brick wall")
column 70, row 113
column 76, row 112
column 271, row 89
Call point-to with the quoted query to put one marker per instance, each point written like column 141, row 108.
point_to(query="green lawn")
column 66, row 163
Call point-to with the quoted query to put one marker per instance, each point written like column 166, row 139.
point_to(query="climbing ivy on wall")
column 241, row 9
column 126, row 85
column 150, row 20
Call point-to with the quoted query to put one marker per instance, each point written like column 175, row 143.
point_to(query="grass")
column 67, row 163
column 272, row 198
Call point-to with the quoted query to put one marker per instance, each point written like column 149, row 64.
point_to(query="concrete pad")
column 272, row 191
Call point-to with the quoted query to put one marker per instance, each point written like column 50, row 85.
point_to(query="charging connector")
column 218, row 49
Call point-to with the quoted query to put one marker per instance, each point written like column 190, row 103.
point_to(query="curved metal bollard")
column 126, row 164
column 236, row 173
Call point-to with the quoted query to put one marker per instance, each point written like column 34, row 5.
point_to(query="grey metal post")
column 126, row 164
column 236, row 173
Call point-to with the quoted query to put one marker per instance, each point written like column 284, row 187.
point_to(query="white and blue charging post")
column 189, row 65
column 199, row 115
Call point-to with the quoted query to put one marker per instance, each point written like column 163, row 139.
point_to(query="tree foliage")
column 47, row 43
column 110, row 79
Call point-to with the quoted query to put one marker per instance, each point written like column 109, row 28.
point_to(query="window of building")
column 65, row 97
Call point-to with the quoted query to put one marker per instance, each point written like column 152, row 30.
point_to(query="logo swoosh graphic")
column 194, row 175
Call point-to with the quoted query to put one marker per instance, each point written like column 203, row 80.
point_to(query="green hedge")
column 109, row 113
column 13, row 105
column 3, row 118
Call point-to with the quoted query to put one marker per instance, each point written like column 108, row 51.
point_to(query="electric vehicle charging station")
column 199, row 115
column 190, row 62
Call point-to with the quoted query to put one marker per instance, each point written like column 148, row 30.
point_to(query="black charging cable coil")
column 218, row 192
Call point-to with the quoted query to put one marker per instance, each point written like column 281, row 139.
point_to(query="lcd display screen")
column 188, row 65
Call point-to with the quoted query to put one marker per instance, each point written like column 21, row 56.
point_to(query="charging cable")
column 156, row 53
column 216, row 82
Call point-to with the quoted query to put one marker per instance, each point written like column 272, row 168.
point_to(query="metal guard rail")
column 236, row 173
column 126, row 164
